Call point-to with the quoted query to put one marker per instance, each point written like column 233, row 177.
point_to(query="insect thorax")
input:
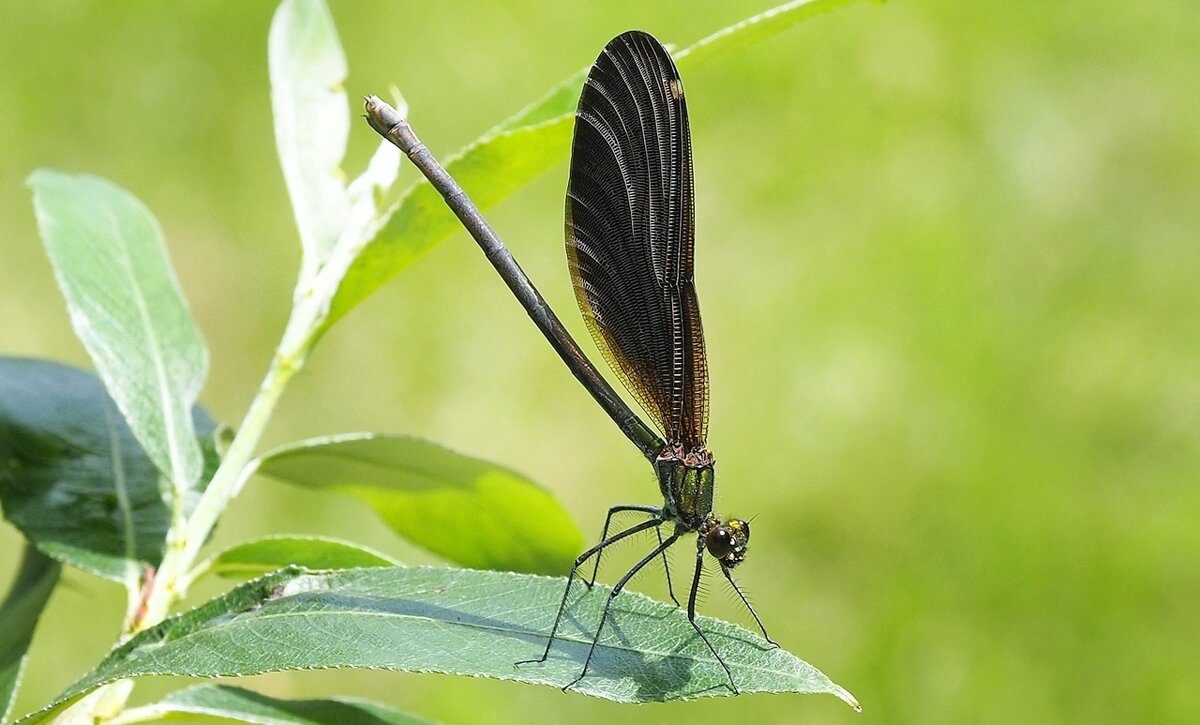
column 686, row 482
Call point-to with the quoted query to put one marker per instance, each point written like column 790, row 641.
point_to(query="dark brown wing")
column 630, row 233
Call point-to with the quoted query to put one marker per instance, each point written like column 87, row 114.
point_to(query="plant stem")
column 167, row 585
column 145, row 713
column 183, row 547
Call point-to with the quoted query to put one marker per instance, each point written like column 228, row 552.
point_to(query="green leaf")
column 517, row 151
column 469, row 511
column 753, row 30
column 365, row 195
column 208, row 703
column 563, row 98
column 261, row 556
column 312, row 120
column 111, row 263
column 73, row 478
column 490, row 170
column 454, row 621
column 19, row 614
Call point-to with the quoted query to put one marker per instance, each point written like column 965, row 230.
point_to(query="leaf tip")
column 844, row 695
column 398, row 100
column 40, row 177
column 35, row 175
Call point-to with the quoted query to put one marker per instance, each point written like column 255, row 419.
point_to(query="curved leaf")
column 312, row 119
column 514, row 153
column 222, row 703
column 563, row 98
column 73, row 478
column 261, row 556
column 454, row 621
column 111, row 263
column 469, row 511
column 754, row 29
column 491, row 169
column 20, row 612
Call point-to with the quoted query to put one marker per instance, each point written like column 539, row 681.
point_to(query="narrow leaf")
column 19, row 615
column 365, row 195
column 517, row 151
column 261, row 556
column 312, row 120
column 491, row 169
column 463, row 622
column 111, row 263
column 753, row 30
column 469, row 511
column 73, row 478
column 223, row 703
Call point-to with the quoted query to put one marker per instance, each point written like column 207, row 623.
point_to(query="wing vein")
column 630, row 233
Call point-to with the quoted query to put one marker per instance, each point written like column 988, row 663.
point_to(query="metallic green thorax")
column 686, row 479
column 686, row 483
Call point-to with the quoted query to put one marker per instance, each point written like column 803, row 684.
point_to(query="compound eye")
column 719, row 542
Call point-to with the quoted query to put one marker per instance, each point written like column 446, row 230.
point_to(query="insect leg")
column 658, row 550
column 736, row 588
column 571, row 579
column 654, row 511
column 692, row 612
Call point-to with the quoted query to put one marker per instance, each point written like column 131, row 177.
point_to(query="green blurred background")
column 949, row 268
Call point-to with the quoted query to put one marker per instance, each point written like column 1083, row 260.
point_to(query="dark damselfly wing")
column 631, row 229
